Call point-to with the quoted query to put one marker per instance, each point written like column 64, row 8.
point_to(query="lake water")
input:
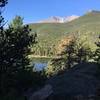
column 40, row 63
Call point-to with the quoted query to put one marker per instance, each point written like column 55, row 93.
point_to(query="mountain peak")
column 92, row 11
column 58, row 19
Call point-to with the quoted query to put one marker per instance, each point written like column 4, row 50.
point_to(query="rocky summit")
column 58, row 19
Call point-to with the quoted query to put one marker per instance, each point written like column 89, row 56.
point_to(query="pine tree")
column 17, row 22
column 70, row 54
column 15, row 42
column 97, row 53
column 83, row 53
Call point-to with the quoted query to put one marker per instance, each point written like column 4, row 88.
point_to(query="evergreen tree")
column 84, row 53
column 97, row 53
column 17, row 22
column 16, row 74
column 14, row 50
column 69, row 53
column 2, row 23
column 15, row 71
column 74, row 53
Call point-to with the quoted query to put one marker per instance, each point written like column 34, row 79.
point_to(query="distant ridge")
column 58, row 19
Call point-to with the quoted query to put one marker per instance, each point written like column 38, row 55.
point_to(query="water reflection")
column 40, row 63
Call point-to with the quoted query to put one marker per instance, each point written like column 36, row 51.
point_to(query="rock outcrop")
column 78, row 83
column 80, row 80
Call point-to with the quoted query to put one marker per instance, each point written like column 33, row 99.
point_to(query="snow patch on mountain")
column 57, row 19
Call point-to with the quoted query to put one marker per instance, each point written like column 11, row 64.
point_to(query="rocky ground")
column 79, row 82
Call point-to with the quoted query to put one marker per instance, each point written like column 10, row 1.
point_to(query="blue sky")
column 35, row 10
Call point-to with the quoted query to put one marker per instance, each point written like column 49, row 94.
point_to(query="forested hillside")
column 49, row 35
